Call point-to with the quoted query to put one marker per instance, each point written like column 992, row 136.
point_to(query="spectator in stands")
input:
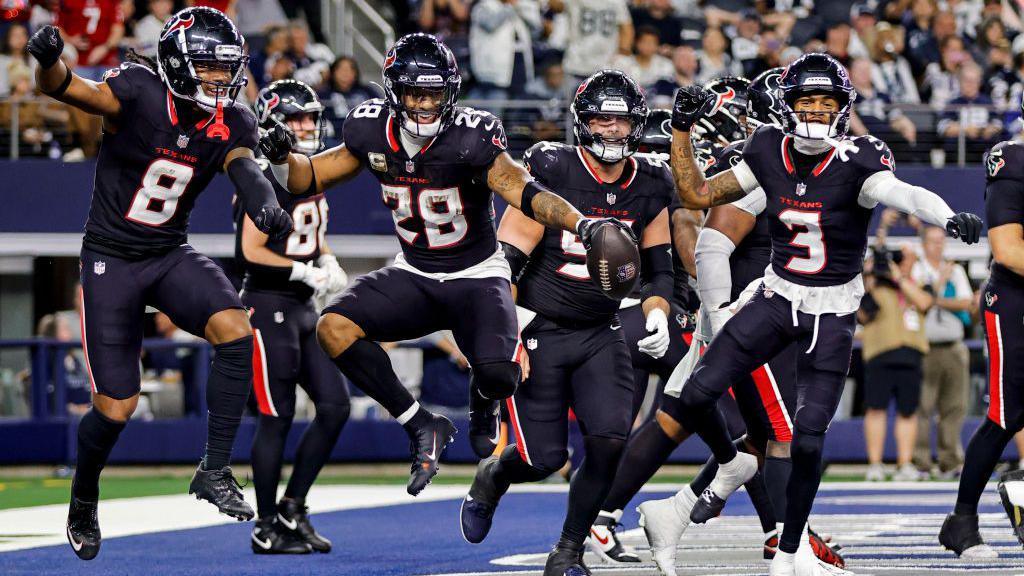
column 891, row 73
column 345, row 92
column 967, row 14
column 715, row 61
column 691, row 16
column 746, row 44
column 837, row 42
column 926, row 27
column 894, row 343
column 33, row 136
column 645, row 65
column 546, row 121
column 770, row 53
column 685, row 65
column 786, row 14
column 1000, row 74
column 991, row 34
column 500, row 47
column 874, row 113
column 597, row 30
column 1006, row 89
column 941, row 79
column 971, row 116
column 659, row 15
column 449, row 21
column 277, row 43
column 863, row 20
column 312, row 11
column 96, row 31
column 172, row 364
column 946, row 365
column 312, row 59
column 78, row 391
column 147, row 30
column 14, row 55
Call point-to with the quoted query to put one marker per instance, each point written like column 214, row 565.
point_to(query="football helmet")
column 284, row 100
column 725, row 123
column 763, row 100
column 609, row 93
column 201, row 37
column 814, row 74
column 657, row 135
column 420, row 64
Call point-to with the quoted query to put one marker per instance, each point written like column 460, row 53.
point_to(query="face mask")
column 609, row 153
column 417, row 130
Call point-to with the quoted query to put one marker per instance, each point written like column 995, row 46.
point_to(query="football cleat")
column 83, row 529
column 664, row 522
column 484, row 424
column 220, row 488
column 820, row 546
column 269, row 536
column 477, row 511
column 565, row 561
column 293, row 514
column 604, row 542
column 730, row 476
column 1011, row 492
column 428, row 443
column 960, row 534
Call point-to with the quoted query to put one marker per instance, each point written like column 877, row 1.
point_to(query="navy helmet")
column 420, row 64
column 201, row 37
column 285, row 100
column 609, row 93
column 817, row 74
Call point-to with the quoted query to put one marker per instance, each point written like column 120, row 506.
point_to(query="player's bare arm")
column 519, row 231
column 301, row 172
column 1007, row 243
column 685, row 227
column 695, row 191
column 254, row 247
column 56, row 80
column 510, row 181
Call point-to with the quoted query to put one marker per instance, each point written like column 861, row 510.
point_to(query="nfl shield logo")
column 279, row 317
column 98, row 268
column 801, row 189
column 531, row 344
column 182, row 141
column 410, row 166
column 610, row 197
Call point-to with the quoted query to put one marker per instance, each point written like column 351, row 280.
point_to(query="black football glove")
column 691, row 103
column 274, row 222
column 965, row 226
column 586, row 227
column 277, row 143
column 46, row 46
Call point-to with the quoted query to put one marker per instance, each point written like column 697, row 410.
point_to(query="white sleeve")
column 280, row 172
column 714, row 277
column 745, row 176
column 884, row 187
column 753, row 203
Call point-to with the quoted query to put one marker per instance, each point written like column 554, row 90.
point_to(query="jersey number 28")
column 440, row 209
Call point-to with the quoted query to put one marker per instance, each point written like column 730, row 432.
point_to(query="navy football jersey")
column 151, row 168
column 309, row 215
column 754, row 252
column 818, row 228
column 556, row 283
column 1004, row 194
column 439, row 198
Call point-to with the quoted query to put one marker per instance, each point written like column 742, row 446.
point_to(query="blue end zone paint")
column 422, row 538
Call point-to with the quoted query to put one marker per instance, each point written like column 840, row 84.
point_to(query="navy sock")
column 805, row 451
column 368, row 366
column 590, row 486
column 983, row 453
column 646, row 451
column 267, row 455
column 776, row 479
column 227, row 391
column 762, row 502
column 97, row 435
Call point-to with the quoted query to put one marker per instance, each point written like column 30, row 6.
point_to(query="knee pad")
column 807, row 445
column 496, row 380
column 603, row 454
column 333, row 416
column 234, row 359
column 548, row 462
column 697, row 393
column 812, row 419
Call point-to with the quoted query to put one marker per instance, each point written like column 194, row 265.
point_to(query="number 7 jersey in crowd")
column 151, row 167
column 439, row 198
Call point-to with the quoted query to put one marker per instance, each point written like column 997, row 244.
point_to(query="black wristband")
column 656, row 277
column 517, row 259
column 531, row 190
column 63, row 85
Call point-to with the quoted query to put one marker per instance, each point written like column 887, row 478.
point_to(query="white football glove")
column 337, row 279
column 315, row 278
column 656, row 344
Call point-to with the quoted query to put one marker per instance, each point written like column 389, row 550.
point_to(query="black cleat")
column 477, row 510
column 605, row 542
column 484, row 424
column 428, row 443
column 960, row 534
column 270, row 537
column 219, row 487
column 83, row 529
column 293, row 514
column 566, row 562
column 708, row 506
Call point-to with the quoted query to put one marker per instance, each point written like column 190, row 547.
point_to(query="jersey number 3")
column 156, row 201
column 809, row 239
column 439, row 208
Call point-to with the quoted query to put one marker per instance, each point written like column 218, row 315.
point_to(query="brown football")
column 613, row 261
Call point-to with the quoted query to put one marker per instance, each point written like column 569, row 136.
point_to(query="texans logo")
column 582, row 87
column 389, row 60
column 182, row 23
column 269, row 105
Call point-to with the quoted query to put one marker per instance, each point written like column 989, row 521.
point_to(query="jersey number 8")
column 162, row 185
column 440, row 209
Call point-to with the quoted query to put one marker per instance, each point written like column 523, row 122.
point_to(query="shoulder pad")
column 543, row 158
column 1004, row 160
column 867, row 153
column 373, row 108
column 128, row 69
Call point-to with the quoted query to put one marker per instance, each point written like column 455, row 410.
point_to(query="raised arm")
column 685, row 230
column 884, row 187
column 513, row 183
column 302, row 174
column 56, row 80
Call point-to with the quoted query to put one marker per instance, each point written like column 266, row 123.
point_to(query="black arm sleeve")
column 1004, row 202
column 656, row 272
column 517, row 260
column 253, row 188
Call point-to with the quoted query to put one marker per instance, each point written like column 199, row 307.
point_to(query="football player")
column 281, row 278
column 578, row 354
column 1002, row 307
column 819, row 188
column 169, row 126
column 438, row 164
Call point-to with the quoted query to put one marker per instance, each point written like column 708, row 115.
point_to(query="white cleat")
column 980, row 552
column 664, row 522
column 803, row 563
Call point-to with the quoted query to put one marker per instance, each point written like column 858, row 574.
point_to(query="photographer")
column 893, row 345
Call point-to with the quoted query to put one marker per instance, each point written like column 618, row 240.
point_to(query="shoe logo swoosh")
column 603, row 541
column 616, row 327
column 497, row 429
column 265, row 545
column 75, row 543
column 289, row 524
column 433, row 451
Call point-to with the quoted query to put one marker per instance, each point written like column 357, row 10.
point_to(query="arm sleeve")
column 656, row 272
column 1004, row 202
column 253, row 189
column 753, row 203
column 714, row 276
column 884, row 187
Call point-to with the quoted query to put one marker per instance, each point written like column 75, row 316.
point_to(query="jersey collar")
column 172, row 114
column 393, row 138
column 787, row 160
column 628, row 173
